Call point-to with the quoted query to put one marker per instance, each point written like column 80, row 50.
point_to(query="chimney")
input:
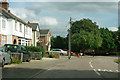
column 4, row 4
column 28, row 22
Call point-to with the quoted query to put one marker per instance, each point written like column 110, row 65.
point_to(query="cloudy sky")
column 55, row 15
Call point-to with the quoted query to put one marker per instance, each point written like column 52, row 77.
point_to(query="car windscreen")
column 12, row 48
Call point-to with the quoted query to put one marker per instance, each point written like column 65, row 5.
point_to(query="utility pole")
column 69, row 56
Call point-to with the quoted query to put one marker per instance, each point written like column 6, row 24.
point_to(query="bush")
column 15, row 61
column 52, row 55
column 36, row 49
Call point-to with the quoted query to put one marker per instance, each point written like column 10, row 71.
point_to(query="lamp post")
column 69, row 55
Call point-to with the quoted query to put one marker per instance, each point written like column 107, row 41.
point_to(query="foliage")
column 15, row 61
column 108, row 40
column 52, row 55
column 117, row 60
column 59, row 42
column 85, row 35
column 36, row 49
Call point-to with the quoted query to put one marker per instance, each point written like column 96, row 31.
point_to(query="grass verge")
column 117, row 60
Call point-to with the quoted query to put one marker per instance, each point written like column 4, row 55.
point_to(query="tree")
column 108, row 39
column 85, row 35
column 59, row 42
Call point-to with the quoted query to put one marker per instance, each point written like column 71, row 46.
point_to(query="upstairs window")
column 26, row 30
column 20, row 27
column 16, row 25
column 3, row 24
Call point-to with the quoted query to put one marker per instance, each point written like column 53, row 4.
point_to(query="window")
column 16, row 25
column 26, row 30
column 3, row 40
column 20, row 27
column 3, row 24
column 19, row 41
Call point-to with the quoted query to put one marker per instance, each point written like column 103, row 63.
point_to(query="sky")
column 55, row 15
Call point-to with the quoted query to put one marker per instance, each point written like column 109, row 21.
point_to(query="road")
column 82, row 67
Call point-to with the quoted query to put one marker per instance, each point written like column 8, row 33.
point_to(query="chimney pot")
column 4, row 4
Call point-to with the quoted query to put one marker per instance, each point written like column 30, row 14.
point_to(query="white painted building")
column 13, row 30
column 35, row 34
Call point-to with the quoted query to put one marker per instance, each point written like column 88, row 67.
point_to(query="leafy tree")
column 85, row 35
column 59, row 42
column 108, row 39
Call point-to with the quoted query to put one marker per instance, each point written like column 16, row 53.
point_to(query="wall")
column 14, row 38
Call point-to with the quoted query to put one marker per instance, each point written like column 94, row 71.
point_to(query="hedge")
column 36, row 49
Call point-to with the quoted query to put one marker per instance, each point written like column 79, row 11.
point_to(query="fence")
column 36, row 55
column 16, row 57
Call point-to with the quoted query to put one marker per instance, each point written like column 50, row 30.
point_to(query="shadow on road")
column 25, row 73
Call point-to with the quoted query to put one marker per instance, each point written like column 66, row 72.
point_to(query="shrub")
column 15, row 61
column 52, row 55
column 36, row 49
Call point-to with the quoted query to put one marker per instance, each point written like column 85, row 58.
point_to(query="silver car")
column 4, row 57
column 59, row 51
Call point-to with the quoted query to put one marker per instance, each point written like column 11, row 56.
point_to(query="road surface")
column 82, row 67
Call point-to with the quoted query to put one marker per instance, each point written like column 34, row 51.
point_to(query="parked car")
column 59, row 51
column 4, row 57
column 72, row 53
column 12, row 48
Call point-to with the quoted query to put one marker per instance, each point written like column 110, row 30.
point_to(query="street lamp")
column 69, row 30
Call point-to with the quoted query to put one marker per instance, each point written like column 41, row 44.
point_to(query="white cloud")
column 48, row 21
column 30, row 15
column 113, row 28
column 23, row 13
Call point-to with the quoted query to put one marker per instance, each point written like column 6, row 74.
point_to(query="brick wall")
column 14, row 40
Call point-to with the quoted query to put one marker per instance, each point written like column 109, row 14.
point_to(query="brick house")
column 45, row 39
column 13, row 30
column 35, row 34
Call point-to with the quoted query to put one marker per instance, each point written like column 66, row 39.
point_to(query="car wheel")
column 3, row 62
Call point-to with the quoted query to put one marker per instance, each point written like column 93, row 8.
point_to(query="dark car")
column 12, row 48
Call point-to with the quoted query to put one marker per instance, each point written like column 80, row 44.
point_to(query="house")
column 35, row 34
column 13, row 30
column 45, row 39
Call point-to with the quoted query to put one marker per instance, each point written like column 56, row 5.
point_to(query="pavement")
column 82, row 67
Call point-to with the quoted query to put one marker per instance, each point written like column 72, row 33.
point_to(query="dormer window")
column 3, row 24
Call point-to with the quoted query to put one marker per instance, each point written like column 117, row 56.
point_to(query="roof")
column 8, row 14
column 34, row 25
column 44, row 31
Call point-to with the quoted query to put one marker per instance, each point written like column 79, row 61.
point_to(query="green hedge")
column 36, row 49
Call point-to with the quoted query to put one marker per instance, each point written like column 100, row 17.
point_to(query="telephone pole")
column 69, row 56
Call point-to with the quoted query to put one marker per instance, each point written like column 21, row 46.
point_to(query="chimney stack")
column 4, row 4
column 28, row 22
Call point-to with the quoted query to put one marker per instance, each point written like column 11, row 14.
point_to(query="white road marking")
column 97, row 72
column 90, row 64
column 105, row 70
column 99, row 69
column 110, row 71
column 117, row 71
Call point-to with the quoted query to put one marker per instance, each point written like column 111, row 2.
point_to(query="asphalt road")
column 82, row 67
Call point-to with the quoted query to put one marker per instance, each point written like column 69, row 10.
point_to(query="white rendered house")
column 13, row 30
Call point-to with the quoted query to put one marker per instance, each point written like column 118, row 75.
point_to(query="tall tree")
column 108, row 39
column 85, row 35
